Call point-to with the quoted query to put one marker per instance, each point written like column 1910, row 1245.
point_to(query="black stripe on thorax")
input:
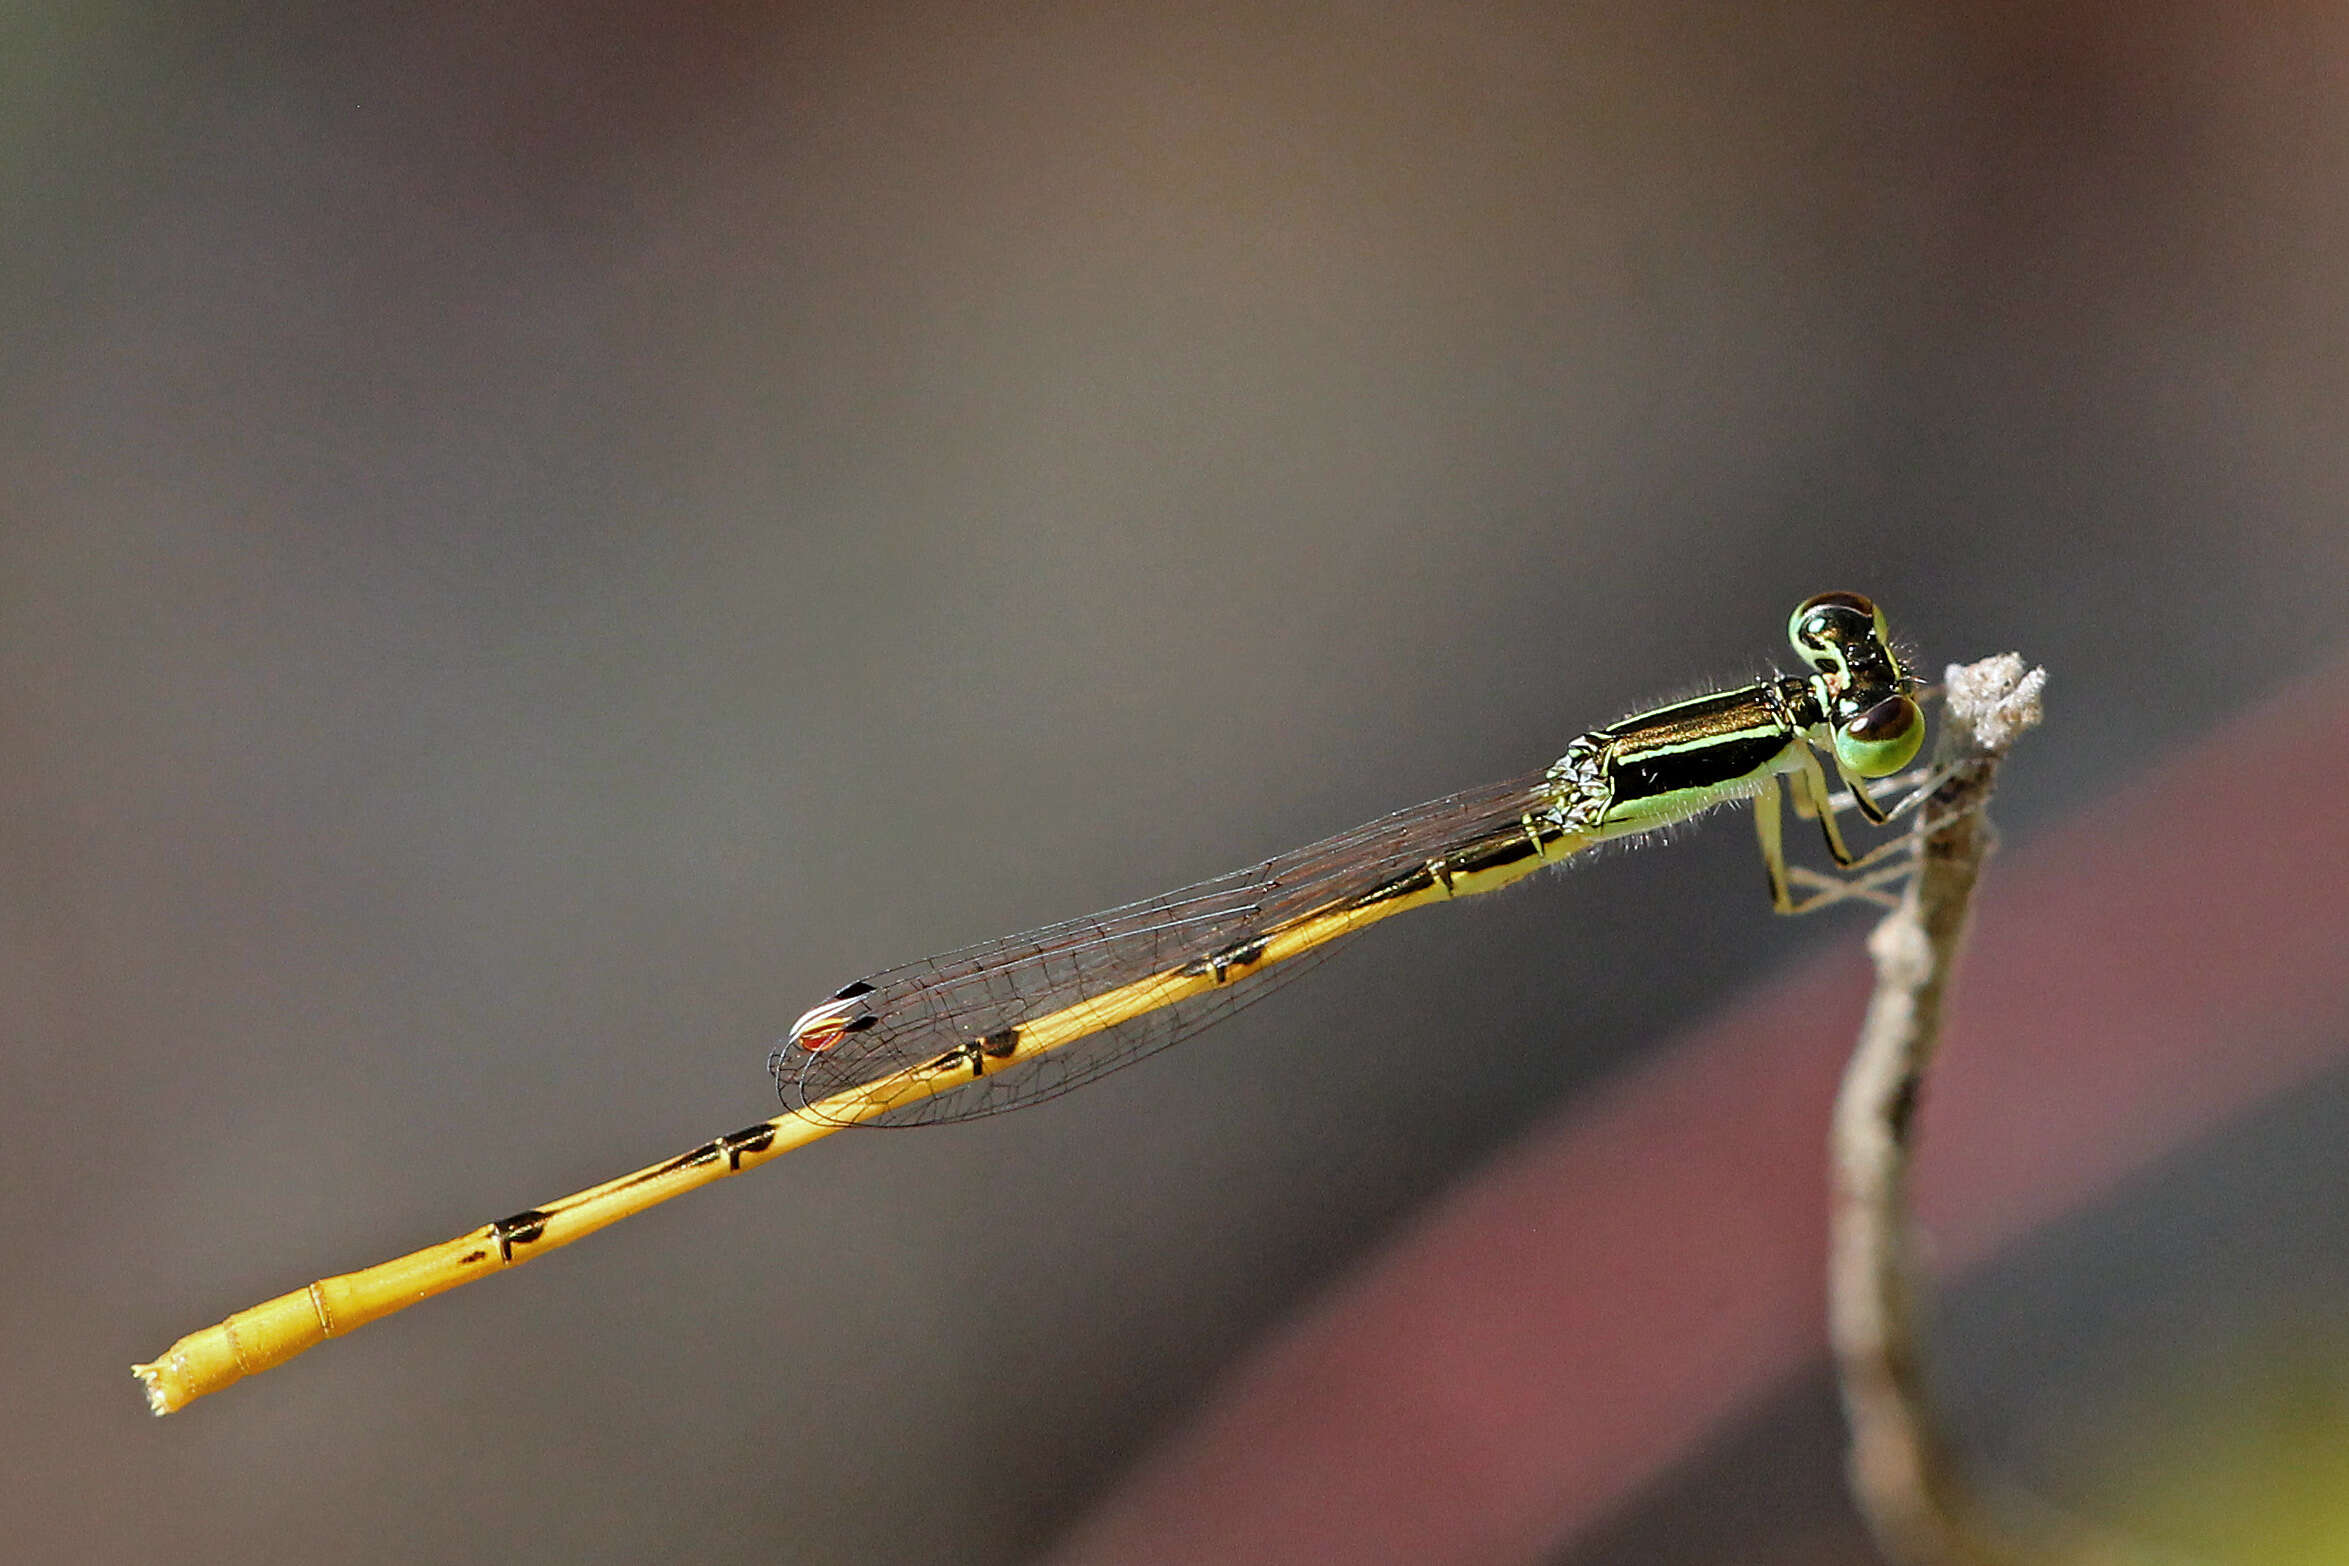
column 1699, row 744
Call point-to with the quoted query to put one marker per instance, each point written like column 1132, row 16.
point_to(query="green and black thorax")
column 1857, row 706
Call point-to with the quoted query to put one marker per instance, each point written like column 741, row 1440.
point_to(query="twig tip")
column 1996, row 700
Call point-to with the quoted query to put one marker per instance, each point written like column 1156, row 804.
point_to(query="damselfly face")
column 1862, row 686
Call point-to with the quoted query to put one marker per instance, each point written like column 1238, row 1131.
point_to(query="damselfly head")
column 1862, row 687
column 1836, row 631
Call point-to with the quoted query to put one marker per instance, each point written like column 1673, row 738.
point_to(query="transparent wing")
column 906, row 1017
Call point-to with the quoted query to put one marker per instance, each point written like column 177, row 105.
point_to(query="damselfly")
column 1020, row 1019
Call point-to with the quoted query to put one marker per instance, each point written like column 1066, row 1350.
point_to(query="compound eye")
column 1819, row 622
column 1881, row 740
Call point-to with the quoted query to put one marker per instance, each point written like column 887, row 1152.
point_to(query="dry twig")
column 1908, row 1486
column 1901, row 1471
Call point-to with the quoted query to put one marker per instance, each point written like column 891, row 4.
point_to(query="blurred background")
column 537, row 541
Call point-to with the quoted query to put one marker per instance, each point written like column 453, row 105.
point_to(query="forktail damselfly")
column 1026, row 1017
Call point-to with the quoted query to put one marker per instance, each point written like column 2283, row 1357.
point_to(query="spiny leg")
column 1769, row 828
column 1880, row 886
column 1861, row 799
column 1915, row 786
column 1920, row 782
column 1811, row 799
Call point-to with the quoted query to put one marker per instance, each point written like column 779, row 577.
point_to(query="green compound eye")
column 1882, row 740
